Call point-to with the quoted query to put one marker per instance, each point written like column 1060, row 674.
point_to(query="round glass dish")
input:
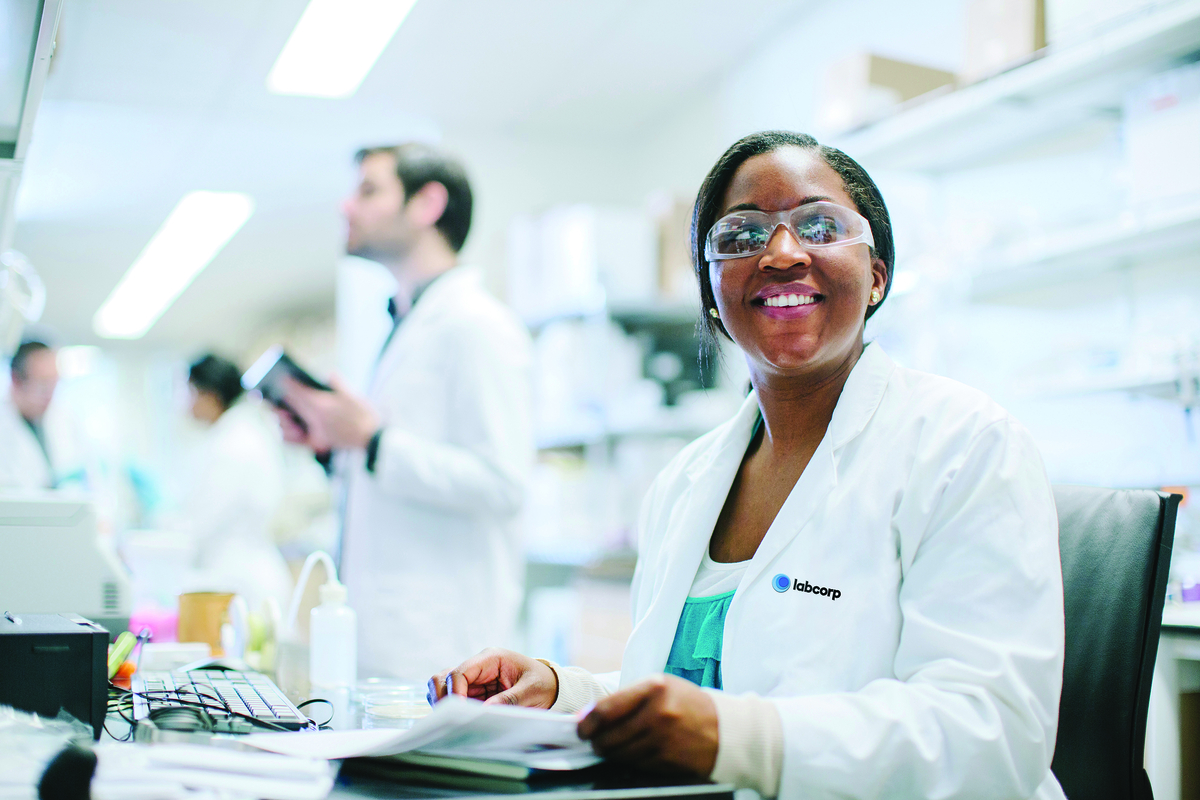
column 394, row 707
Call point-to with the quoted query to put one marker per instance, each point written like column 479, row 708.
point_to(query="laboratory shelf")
column 1087, row 250
column 1178, row 383
column 1059, row 89
column 630, row 316
column 663, row 426
column 656, row 315
column 1164, row 384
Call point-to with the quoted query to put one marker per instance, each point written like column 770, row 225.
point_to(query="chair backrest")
column 1116, row 553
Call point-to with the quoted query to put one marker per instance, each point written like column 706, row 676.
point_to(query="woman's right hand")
column 499, row 676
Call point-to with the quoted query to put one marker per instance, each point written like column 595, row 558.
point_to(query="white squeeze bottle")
column 333, row 651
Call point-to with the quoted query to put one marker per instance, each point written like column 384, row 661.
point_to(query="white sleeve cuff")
column 577, row 688
column 750, row 743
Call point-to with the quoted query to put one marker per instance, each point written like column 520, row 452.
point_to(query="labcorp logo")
column 781, row 583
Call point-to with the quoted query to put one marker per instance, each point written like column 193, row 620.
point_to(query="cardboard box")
column 676, row 275
column 1001, row 34
column 867, row 87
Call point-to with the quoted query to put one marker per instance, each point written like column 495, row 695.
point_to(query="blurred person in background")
column 26, row 460
column 436, row 456
column 237, row 489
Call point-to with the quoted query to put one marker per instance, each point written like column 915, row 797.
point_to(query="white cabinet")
column 27, row 29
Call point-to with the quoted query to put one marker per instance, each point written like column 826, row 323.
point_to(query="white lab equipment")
column 54, row 561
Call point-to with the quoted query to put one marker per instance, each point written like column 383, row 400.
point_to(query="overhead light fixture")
column 334, row 46
column 192, row 235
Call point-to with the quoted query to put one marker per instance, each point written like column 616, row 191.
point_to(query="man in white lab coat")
column 436, row 456
column 25, row 453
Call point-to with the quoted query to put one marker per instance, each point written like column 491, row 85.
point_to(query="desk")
column 1176, row 671
column 597, row 783
column 359, row 780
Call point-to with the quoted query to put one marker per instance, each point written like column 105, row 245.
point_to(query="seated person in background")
column 860, row 569
column 237, row 488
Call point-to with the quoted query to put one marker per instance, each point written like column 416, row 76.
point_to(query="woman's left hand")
column 663, row 723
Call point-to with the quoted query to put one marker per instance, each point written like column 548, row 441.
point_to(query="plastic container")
column 333, row 642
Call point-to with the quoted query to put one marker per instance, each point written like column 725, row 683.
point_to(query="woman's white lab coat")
column 231, row 503
column 928, row 660
column 431, row 554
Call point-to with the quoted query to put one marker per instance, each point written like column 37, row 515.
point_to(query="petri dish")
column 395, row 707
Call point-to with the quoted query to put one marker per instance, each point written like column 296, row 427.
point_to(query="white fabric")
column 430, row 549
column 715, row 577
column 23, row 464
column 577, row 688
column 235, row 494
column 936, row 671
column 749, row 742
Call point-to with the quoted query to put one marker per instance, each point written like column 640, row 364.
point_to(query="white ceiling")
column 148, row 100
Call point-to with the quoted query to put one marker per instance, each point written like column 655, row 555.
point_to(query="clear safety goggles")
column 819, row 224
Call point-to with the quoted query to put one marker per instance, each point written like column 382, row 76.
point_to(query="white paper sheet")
column 177, row 770
column 458, row 727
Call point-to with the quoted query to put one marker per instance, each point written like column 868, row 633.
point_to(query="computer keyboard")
column 220, row 691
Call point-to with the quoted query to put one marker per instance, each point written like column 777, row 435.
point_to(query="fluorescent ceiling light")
column 334, row 46
column 192, row 235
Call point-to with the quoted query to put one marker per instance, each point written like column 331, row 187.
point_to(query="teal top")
column 696, row 651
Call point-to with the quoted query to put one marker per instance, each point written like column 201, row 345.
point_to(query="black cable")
column 332, row 710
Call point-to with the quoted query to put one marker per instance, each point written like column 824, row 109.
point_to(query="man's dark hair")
column 21, row 358
column 419, row 164
column 217, row 375
column 858, row 185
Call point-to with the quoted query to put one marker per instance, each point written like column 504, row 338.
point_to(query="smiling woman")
column 920, row 653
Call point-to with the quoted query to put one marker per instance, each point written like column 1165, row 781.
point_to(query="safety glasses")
column 819, row 224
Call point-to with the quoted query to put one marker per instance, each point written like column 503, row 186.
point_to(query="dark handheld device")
column 267, row 374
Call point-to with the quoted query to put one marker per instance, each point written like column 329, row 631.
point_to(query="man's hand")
column 336, row 420
column 498, row 676
column 663, row 724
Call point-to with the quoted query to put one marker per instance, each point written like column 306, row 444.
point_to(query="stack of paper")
column 459, row 728
column 188, row 770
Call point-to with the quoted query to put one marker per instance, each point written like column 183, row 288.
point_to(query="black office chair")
column 1116, row 553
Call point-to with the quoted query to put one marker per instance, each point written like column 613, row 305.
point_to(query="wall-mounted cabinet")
column 27, row 30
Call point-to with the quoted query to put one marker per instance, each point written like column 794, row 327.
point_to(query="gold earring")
column 712, row 312
column 875, row 295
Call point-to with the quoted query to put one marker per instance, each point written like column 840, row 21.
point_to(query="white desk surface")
column 1181, row 615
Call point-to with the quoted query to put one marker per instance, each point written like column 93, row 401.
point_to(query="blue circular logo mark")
column 781, row 583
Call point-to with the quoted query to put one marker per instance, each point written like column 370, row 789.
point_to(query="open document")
column 459, row 728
